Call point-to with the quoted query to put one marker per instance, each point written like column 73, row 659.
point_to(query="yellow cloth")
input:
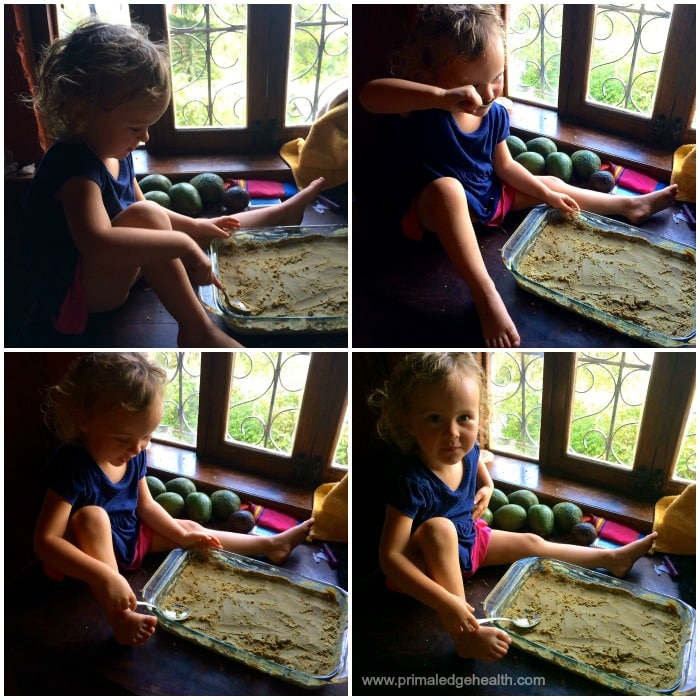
column 324, row 153
column 330, row 512
column 684, row 173
column 674, row 520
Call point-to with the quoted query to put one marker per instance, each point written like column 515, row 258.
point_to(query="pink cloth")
column 73, row 315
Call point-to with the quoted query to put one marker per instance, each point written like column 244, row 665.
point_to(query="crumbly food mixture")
column 290, row 277
column 610, row 629
column 264, row 614
column 625, row 276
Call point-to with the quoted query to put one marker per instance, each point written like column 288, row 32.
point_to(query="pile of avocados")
column 521, row 511
column 220, row 509
column 541, row 157
column 204, row 192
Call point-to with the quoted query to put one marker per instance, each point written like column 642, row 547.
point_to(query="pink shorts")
column 479, row 549
column 143, row 545
column 73, row 315
column 411, row 226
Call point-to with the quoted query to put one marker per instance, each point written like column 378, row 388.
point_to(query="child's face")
column 444, row 419
column 484, row 74
column 117, row 132
column 114, row 436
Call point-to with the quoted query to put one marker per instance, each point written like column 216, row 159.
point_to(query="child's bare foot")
column 486, row 644
column 623, row 558
column 646, row 205
column 132, row 628
column 496, row 324
column 283, row 544
column 210, row 336
column 288, row 213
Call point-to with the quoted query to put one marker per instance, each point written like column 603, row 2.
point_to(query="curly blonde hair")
column 98, row 382
column 393, row 400
column 100, row 64
column 442, row 33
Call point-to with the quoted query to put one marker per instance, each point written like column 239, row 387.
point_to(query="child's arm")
column 454, row 611
column 114, row 246
column 515, row 175
column 162, row 523
column 54, row 549
column 484, row 484
column 395, row 96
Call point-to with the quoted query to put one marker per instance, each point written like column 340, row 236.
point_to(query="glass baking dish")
column 299, row 594
column 215, row 300
column 524, row 238
column 507, row 590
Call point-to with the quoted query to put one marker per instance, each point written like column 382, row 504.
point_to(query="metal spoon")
column 485, row 105
column 236, row 304
column 522, row 622
column 179, row 612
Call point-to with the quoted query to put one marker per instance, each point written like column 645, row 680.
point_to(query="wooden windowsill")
column 528, row 121
column 510, row 474
column 180, row 167
column 167, row 462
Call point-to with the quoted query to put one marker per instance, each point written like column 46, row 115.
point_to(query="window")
column 604, row 418
column 628, row 67
column 282, row 414
column 245, row 77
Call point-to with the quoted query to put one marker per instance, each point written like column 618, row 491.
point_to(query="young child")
column 451, row 155
column 88, row 230
column 432, row 535
column 98, row 517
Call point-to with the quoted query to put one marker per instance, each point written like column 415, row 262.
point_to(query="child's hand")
column 463, row 99
column 457, row 615
column 563, row 202
column 199, row 268
column 206, row 230
column 481, row 501
column 200, row 539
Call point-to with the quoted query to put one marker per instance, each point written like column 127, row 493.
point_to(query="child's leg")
column 507, row 547
column 288, row 213
column 635, row 209
column 108, row 287
column 91, row 532
column 442, row 208
column 435, row 550
column 276, row 548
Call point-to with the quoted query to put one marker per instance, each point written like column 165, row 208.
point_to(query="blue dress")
column 420, row 495
column 75, row 477
column 430, row 145
column 51, row 254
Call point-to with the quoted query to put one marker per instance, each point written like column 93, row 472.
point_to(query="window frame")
column 669, row 124
column 268, row 25
column 661, row 430
column 318, row 428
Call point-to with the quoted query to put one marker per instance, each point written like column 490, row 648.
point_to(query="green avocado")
column 511, row 517
column 533, row 162
column 559, row 164
column 198, row 507
column 155, row 182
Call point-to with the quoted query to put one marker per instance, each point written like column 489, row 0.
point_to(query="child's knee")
column 89, row 520
column 144, row 214
column 435, row 533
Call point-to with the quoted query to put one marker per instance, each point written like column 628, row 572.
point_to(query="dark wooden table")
column 400, row 647
column 407, row 295
column 57, row 642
